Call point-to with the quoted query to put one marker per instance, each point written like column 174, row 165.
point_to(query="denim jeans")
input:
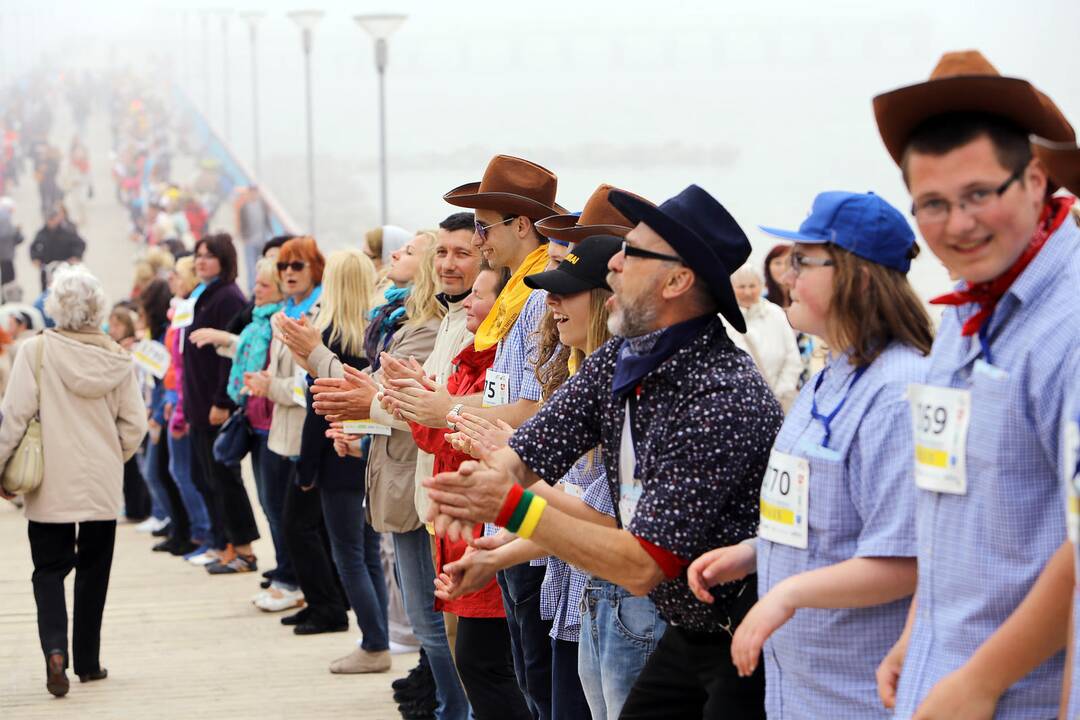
column 529, row 639
column 180, row 469
column 355, row 548
column 618, row 634
column 273, row 473
column 416, row 577
column 148, row 462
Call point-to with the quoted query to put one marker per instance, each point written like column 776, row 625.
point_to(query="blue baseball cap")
column 861, row 223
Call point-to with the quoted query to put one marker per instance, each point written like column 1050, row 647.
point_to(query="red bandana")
column 987, row 294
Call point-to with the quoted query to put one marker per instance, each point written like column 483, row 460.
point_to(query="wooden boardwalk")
column 179, row 643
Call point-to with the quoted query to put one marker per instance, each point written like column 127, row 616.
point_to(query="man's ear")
column 678, row 283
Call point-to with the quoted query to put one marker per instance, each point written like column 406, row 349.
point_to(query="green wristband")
column 519, row 512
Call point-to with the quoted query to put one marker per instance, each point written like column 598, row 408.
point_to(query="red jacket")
column 470, row 368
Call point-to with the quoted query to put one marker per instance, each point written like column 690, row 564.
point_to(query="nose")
column 960, row 221
column 788, row 277
column 615, row 264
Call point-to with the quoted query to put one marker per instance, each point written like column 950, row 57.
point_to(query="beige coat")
column 288, row 422
column 391, row 465
column 93, row 419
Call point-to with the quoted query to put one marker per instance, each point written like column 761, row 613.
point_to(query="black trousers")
column 136, row 496
column 691, row 676
column 486, row 667
column 231, row 517
column 56, row 548
column 309, row 547
column 179, row 523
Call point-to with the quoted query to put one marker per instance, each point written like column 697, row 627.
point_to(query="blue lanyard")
column 1076, row 470
column 984, row 339
column 200, row 289
column 826, row 420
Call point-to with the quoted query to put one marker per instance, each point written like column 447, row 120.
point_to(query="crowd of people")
column 612, row 482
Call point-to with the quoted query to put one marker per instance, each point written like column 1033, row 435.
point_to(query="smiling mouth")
column 970, row 246
column 559, row 318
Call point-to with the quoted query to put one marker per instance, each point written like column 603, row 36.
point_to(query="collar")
column 448, row 300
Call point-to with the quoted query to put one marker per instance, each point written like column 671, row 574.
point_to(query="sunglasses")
column 295, row 266
column 630, row 251
column 481, row 230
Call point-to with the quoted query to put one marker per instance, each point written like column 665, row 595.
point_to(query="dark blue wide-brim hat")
column 704, row 235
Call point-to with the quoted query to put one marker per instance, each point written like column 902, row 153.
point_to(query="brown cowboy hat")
column 510, row 185
column 598, row 218
column 1062, row 162
column 965, row 81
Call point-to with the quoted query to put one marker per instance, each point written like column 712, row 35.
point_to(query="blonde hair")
column 347, row 297
column 155, row 262
column 185, row 270
column 553, row 358
column 422, row 305
column 267, row 270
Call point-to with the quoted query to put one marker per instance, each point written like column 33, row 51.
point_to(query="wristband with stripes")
column 513, row 499
column 532, row 517
column 519, row 512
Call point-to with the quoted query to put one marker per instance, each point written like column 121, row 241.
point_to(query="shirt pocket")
column 989, row 408
column 832, row 514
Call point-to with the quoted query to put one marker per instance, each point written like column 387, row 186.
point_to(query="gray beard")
column 633, row 320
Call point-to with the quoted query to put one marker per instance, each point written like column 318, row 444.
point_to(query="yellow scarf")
column 504, row 313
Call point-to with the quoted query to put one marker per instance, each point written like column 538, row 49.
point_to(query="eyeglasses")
column 973, row 202
column 630, row 251
column 481, row 230
column 295, row 266
column 800, row 262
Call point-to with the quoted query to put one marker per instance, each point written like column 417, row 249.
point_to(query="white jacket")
column 770, row 340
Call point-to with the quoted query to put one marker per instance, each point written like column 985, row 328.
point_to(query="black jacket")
column 206, row 374
column 319, row 464
column 57, row 244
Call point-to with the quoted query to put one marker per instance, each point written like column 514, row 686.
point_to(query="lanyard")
column 826, row 420
column 984, row 339
column 200, row 289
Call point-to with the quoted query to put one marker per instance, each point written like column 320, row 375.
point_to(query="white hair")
column 747, row 272
column 76, row 299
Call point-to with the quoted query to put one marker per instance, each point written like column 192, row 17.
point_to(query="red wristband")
column 509, row 505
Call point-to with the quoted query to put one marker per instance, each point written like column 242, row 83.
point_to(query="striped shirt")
column 821, row 663
column 980, row 553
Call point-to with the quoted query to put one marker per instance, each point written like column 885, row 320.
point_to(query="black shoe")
column 99, row 674
column 182, row 547
column 163, row 532
column 163, row 546
column 417, row 676
column 297, row 617
column 418, row 710
column 56, row 679
column 315, row 626
column 413, row 694
column 265, row 584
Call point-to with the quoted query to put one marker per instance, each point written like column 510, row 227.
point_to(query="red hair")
column 304, row 249
column 774, row 292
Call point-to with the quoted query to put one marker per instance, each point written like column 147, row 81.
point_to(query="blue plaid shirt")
column 821, row 663
column 1070, row 474
column 980, row 553
column 564, row 584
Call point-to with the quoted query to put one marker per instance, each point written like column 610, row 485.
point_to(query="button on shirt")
column 980, row 553
column 821, row 663
column 703, row 427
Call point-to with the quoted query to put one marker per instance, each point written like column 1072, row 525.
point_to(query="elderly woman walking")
column 82, row 387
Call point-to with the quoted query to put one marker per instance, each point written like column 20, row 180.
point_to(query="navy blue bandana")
column 640, row 356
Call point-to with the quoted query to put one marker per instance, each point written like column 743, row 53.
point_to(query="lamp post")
column 380, row 28
column 252, row 19
column 307, row 20
column 227, row 127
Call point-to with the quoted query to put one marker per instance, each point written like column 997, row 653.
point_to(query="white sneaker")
column 151, row 525
column 204, row 558
column 277, row 599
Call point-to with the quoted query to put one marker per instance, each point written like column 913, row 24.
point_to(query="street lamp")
column 225, row 72
column 307, row 20
column 252, row 19
column 380, row 27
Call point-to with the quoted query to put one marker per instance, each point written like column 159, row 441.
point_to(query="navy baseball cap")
column 861, row 223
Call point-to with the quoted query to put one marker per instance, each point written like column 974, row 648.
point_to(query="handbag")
column 26, row 466
column 234, row 439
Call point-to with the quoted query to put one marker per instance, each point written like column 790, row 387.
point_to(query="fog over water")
column 763, row 104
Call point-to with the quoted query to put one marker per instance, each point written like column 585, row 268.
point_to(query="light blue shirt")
column 821, row 663
column 1071, row 414
column 980, row 553
column 517, row 352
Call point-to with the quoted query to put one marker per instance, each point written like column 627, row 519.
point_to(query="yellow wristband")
column 532, row 518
